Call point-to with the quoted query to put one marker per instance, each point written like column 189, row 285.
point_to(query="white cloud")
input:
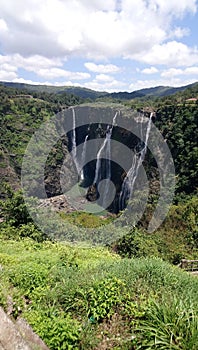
column 53, row 73
column 33, row 82
column 8, row 67
column 151, row 70
column 101, row 68
column 41, row 66
column 90, row 28
column 191, row 70
column 3, row 26
column 174, row 7
column 172, row 72
column 7, row 76
column 109, row 86
column 103, row 77
column 31, row 63
column 174, row 81
column 39, row 36
column 172, row 53
column 179, row 32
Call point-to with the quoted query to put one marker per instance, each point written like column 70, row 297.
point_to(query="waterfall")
column 108, row 160
column 74, row 148
column 82, row 176
column 98, row 162
column 106, row 143
column 129, row 181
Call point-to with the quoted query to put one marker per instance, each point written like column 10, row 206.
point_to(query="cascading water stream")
column 108, row 160
column 74, row 148
column 82, row 175
column 106, row 143
column 129, row 181
column 98, row 162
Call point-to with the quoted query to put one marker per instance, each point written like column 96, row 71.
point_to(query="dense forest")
column 125, row 294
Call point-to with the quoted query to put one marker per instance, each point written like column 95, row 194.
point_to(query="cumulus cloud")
column 103, row 77
column 31, row 63
column 40, row 36
column 91, row 28
column 179, row 32
column 172, row 72
column 101, row 68
column 46, row 82
column 191, row 70
column 42, row 66
column 172, row 53
column 6, row 75
column 54, row 73
column 109, row 84
column 151, row 70
column 174, row 81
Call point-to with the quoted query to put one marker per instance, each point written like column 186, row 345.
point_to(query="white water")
column 108, row 160
column 74, row 148
column 98, row 162
column 129, row 181
column 106, row 143
column 83, row 157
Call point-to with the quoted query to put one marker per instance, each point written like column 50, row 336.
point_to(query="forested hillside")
column 158, row 91
column 125, row 294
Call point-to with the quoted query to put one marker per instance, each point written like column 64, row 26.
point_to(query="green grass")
column 90, row 298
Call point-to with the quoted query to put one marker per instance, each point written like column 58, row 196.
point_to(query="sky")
column 105, row 45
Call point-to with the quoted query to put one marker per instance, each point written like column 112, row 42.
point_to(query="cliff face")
column 87, row 144
column 95, row 146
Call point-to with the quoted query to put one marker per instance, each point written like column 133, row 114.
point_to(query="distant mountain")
column 158, row 91
column 124, row 95
column 78, row 91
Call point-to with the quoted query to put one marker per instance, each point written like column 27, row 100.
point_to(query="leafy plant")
column 103, row 297
column 57, row 329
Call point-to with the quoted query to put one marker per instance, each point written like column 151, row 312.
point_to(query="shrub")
column 103, row 297
column 59, row 331
column 136, row 244
column 14, row 209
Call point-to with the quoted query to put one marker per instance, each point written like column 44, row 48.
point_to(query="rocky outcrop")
column 18, row 335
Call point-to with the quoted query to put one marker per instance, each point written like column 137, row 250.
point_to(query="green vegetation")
column 82, row 298
column 128, row 295
column 83, row 219
column 78, row 297
column 175, row 239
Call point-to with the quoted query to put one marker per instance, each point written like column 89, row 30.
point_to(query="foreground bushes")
column 83, row 298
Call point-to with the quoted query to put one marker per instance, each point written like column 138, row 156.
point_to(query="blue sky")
column 106, row 45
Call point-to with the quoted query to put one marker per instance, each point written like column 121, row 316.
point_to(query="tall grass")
column 82, row 290
column 169, row 325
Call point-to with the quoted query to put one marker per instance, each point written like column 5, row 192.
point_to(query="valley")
column 98, row 206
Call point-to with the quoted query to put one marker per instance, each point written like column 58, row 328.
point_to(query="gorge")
column 98, row 168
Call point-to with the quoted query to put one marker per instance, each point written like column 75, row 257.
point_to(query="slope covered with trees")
column 127, row 295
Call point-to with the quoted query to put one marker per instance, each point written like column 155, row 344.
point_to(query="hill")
column 77, row 91
column 158, row 91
